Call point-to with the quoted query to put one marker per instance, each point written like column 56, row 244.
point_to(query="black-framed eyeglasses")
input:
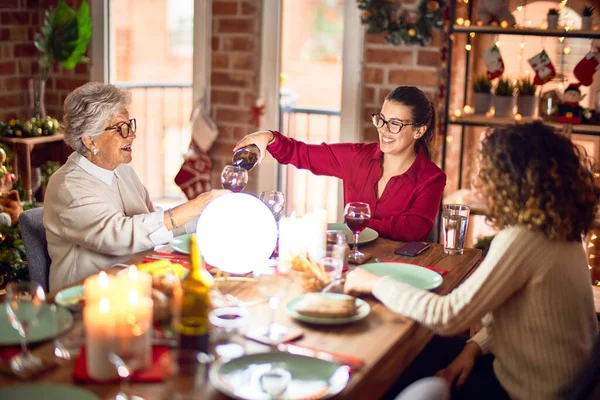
column 123, row 128
column 394, row 125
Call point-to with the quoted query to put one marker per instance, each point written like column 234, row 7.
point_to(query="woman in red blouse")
column 396, row 176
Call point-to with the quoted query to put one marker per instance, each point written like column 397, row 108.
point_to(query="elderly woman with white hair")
column 96, row 210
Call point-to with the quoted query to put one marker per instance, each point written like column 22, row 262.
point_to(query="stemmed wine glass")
column 275, row 201
column 24, row 300
column 234, row 178
column 356, row 217
column 272, row 285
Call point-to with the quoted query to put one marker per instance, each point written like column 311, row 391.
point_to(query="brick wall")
column 234, row 76
column 19, row 21
column 387, row 66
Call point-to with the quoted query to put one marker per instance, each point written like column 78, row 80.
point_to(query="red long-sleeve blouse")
column 408, row 206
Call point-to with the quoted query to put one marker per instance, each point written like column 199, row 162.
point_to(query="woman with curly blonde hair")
column 532, row 292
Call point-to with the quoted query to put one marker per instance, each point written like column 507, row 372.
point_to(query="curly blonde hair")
column 535, row 177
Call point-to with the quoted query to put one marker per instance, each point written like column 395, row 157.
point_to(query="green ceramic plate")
column 248, row 377
column 46, row 392
column 70, row 297
column 181, row 243
column 362, row 310
column 47, row 325
column 366, row 236
column 421, row 278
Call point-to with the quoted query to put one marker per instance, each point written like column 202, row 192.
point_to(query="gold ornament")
column 433, row 6
column 412, row 32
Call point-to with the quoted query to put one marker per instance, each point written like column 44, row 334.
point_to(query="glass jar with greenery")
column 586, row 18
column 63, row 38
column 526, row 100
column 553, row 18
column 503, row 99
column 482, row 97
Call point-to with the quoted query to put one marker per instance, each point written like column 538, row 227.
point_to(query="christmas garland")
column 403, row 26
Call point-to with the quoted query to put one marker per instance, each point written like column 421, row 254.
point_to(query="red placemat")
column 154, row 373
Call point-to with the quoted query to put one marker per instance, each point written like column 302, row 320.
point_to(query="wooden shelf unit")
column 21, row 160
column 497, row 30
column 484, row 120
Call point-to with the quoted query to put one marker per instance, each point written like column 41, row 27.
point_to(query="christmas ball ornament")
column 433, row 6
column 412, row 32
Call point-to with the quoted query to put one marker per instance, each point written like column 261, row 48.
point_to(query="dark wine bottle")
column 246, row 157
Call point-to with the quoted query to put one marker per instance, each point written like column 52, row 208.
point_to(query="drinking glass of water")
column 455, row 221
column 234, row 178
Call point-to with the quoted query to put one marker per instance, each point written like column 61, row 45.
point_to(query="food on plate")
column 322, row 306
column 312, row 276
column 77, row 300
column 166, row 287
column 161, row 267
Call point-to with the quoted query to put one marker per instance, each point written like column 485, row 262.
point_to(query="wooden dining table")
column 387, row 342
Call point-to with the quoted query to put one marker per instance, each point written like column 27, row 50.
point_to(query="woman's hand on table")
column 261, row 139
column 360, row 281
column 459, row 369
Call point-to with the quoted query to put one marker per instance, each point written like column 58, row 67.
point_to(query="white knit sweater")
column 535, row 300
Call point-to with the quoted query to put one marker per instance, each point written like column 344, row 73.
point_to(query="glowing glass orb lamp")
column 236, row 233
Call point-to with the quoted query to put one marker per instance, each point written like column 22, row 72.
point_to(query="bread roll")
column 322, row 306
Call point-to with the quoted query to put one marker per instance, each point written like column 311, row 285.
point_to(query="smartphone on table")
column 411, row 249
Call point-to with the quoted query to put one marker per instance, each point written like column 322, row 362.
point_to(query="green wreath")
column 402, row 26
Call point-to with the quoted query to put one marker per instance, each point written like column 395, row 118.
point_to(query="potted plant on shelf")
column 482, row 97
column 553, row 18
column 503, row 100
column 526, row 100
column 63, row 38
column 586, row 18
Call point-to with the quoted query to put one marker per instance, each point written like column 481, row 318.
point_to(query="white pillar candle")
column 316, row 234
column 100, row 339
column 118, row 318
column 291, row 241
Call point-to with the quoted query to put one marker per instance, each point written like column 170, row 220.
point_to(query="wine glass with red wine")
column 234, row 178
column 356, row 217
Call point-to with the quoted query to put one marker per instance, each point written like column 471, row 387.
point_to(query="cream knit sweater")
column 535, row 300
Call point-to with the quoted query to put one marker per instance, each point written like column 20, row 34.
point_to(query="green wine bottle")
column 193, row 326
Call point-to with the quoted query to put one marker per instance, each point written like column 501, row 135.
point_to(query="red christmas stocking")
column 493, row 62
column 584, row 71
column 542, row 65
column 194, row 176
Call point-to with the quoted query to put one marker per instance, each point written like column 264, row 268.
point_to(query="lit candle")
column 100, row 339
column 117, row 318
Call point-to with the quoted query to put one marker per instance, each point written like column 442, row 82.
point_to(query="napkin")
column 8, row 352
column 154, row 373
column 440, row 271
